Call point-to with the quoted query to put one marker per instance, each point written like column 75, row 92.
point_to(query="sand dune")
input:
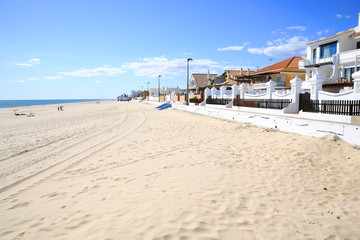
column 126, row 171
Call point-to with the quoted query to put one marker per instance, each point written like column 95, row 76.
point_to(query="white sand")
column 127, row 171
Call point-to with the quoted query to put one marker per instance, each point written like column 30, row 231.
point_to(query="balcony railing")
column 316, row 62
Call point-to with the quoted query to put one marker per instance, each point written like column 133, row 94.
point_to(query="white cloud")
column 100, row 71
column 34, row 60
column 98, row 81
column 188, row 54
column 319, row 33
column 29, row 63
column 231, row 48
column 256, row 50
column 52, row 77
column 154, row 66
column 341, row 16
column 32, row 78
column 234, row 48
column 269, row 43
column 300, row 28
column 283, row 47
column 24, row 64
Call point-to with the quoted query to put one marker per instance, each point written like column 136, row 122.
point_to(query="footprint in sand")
column 20, row 205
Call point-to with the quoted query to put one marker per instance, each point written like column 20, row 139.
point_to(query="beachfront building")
column 334, row 59
column 232, row 77
column 199, row 81
column 281, row 73
column 135, row 93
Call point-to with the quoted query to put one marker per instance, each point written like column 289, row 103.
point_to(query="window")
column 327, row 50
column 219, row 80
column 314, row 54
column 348, row 73
column 358, row 45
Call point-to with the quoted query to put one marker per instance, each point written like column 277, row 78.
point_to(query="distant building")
column 281, row 73
column 135, row 93
column 232, row 77
column 199, row 81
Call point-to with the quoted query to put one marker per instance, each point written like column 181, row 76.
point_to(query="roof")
column 292, row 62
column 201, row 79
column 355, row 34
column 334, row 36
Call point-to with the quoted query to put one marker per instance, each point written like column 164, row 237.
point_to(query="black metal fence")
column 219, row 101
column 262, row 103
column 338, row 107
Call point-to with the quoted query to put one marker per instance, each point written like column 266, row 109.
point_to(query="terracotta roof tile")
column 292, row 62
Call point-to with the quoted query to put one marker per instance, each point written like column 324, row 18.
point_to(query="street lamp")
column 187, row 82
column 159, row 86
column 148, row 91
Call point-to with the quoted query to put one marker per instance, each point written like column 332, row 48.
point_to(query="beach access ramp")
column 163, row 106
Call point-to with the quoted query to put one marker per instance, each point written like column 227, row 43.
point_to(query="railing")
column 262, row 103
column 338, row 107
column 318, row 61
column 219, row 101
column 349, row 55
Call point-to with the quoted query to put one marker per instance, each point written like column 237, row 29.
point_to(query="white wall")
column 338, row 96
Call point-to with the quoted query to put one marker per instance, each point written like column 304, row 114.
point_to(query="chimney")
column 357, row 29
column 248, row 71
column 241, row 71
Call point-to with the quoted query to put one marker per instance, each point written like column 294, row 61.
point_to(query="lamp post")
column 148, row 91
column 159, row 86
column 187, row 82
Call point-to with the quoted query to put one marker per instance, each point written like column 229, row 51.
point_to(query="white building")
column 154, row 92
column 334, row 58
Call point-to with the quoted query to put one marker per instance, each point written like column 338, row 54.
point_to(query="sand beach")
column 119, row 170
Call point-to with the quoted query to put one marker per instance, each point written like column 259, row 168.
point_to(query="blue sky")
column 101, row 49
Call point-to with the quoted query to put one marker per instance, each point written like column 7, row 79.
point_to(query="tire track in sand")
column 56, row 150
column 76, row 158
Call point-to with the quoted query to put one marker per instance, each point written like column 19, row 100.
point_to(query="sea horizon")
column 41, row 102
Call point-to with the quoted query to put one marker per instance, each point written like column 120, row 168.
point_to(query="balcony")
column 350, row 56
column 316, row 62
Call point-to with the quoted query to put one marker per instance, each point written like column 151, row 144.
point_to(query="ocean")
column 26, row 103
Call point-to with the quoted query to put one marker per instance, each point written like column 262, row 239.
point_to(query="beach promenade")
column 123, row 170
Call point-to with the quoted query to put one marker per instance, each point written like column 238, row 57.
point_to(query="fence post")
column 243, row 89
column 235, row 91
column 295, row 92
column 222, row 91
column 356, row 81
column 213, row 92
column 315, row 86
column 207, row 93
column 270, row 88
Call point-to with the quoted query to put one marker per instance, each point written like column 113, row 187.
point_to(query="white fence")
column 316, row 93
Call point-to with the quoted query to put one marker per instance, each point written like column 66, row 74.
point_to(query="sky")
column 77, row 49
